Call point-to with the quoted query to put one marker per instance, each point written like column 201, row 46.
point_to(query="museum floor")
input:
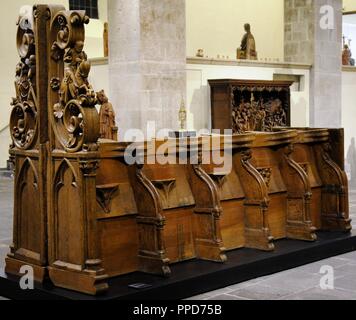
column 301, row 283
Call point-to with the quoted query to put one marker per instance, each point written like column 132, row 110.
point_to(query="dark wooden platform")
column 196, row 277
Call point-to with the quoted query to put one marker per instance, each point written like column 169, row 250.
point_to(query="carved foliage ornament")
column 75, row 119
column 23, row 120
column 266, row 173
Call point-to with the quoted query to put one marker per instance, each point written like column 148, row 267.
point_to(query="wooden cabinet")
column 249, row 105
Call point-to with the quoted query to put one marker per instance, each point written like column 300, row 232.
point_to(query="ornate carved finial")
column 182, row 115
column 75, row 119
column 23, row 120
column 108, row 128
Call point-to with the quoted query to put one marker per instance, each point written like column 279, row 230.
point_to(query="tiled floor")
column 301, row 283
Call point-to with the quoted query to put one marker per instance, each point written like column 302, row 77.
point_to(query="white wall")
column 9, row 56
column 217, row 26
column 349, row 5
column 349, row 80
column 349, row 31
column 349, row 106
column 198, row 92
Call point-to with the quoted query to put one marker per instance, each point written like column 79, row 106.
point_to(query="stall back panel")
column 179, row 234
column 118, row 245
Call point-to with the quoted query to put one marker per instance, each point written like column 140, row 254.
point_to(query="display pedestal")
column 196, row 277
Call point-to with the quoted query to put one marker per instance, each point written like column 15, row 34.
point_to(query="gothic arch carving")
column 67, row 216
column 28, row 208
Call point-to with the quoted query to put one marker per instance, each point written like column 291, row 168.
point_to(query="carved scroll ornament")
column 23, row 120
column 75, row 118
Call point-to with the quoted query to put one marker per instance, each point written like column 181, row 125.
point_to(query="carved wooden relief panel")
column 23, row 120
column 74, row 157
column 248, row 105
column 27, row 153
column 75, row 119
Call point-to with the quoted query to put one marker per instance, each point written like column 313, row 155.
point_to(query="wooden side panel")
column 67, row 216
column 221, row 107
column 277, row 216
column 28, row 213
column 118, row 245
column 29, row 133
column 233, row 224
column 73, row 236
column 179, row 234
column 316, row 207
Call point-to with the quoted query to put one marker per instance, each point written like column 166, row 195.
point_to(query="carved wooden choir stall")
column 83, row 214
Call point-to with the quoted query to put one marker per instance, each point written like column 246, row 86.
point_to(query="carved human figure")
column 63, row 34
column 31, row 62
column 346, row 56
column 247, row 48
column 74, row 85
column 75, row 56
column 108, row 129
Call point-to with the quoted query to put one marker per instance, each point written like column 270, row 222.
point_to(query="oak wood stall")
column 83, row 213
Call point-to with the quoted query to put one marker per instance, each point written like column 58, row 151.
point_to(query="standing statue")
column 108, row 129
column 247, row 49
column 106, row 39
column 346, row 56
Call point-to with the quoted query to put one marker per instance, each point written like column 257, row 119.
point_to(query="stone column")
column 311, row 38
column 147, row 61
